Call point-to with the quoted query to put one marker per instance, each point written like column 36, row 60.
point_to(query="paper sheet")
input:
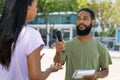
column 80, row 73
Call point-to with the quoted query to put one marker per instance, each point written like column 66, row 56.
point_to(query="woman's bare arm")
column 34, row 66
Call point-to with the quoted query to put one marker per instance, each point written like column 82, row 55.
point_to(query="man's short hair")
column 92, row 14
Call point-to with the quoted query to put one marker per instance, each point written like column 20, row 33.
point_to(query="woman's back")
column 25, row 45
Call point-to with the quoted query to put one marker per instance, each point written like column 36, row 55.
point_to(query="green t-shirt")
column 85, row 56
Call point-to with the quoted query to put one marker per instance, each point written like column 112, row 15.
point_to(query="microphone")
column 59, row 35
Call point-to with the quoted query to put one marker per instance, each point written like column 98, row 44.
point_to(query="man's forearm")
column 103, row 73
column 58, row 58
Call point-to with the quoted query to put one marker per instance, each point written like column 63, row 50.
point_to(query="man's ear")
column 93, row 21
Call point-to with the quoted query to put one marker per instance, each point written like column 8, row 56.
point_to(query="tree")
column 107, row 12
column 57, row 5
column 48, row 6
column 111, row 31
column 82, row 3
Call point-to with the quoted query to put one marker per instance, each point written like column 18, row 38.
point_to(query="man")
column 83, row 52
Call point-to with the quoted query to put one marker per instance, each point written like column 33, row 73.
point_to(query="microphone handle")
column 59, row 35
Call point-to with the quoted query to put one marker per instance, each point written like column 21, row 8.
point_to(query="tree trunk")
column 101, row 35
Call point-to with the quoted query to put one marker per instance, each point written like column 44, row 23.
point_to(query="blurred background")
column 61, row 15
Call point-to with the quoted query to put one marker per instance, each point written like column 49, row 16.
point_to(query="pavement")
column 115, row 54
column 48, row 60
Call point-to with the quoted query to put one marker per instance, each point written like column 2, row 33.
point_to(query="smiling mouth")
column 81, row 27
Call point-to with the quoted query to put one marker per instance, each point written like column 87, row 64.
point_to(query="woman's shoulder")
column 30, row 29
column 28, row 32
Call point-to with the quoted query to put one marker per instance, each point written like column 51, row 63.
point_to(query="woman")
column 20, row 45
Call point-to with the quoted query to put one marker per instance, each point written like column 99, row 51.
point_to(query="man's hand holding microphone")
column 60, row 47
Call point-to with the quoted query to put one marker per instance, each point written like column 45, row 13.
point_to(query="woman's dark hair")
column 92, row 14
column 11, row 23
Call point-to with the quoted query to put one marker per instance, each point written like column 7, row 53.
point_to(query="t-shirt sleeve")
column 66, row 52
column 34, row 41
column 105, row 59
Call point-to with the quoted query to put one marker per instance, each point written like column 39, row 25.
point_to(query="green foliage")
column 47, row 6
column 105, row 34
column 107, row 13
column 118, row 0
column 82, row 3
column 57, row 5
column 1, row 5
column 96, row 34
column 110, row 32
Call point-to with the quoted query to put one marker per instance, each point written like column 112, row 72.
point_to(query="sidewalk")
column 48, row 59
column 114, row 70
column 115, row 54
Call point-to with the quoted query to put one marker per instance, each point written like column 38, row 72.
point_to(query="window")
column 65, row 20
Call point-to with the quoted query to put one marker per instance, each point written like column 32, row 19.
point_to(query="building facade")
column 47, row 25
column 63, row 21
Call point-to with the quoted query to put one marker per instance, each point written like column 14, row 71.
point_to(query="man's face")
column 84, row 23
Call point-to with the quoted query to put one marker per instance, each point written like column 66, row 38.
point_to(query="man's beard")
column 84, row 32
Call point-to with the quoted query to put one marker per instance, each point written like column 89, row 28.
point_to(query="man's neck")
column 85, row 38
